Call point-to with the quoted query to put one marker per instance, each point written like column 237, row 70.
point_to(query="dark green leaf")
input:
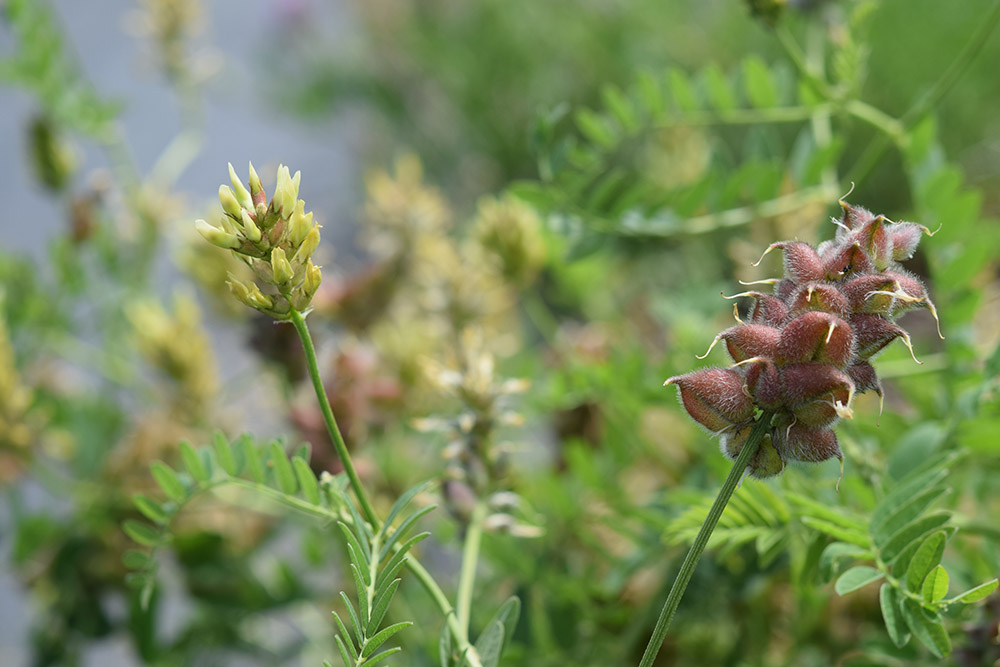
column 361, row 549
column 355, row 621
column 168, row 481
column 379, row 657
column 927, row 555
column 927, row 629
column 359, row 583
column 401, row 504
column 396, row 562
column 892, row 614
column 382, row 637
column 346, row 635
column 136, row 560
column 343, row 652
column 857, row 577
column 912, row 531
column 904, row 493
column 910, row 510
column 404, row 527
column 381, row 606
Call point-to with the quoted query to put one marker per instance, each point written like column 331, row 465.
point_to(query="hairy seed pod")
column 874, row 240
column 864, row 377
column 714, row 398
column 768, row 310
column 842, row 261
column 905, row 237
column 748, row 340
column 817, row 393
column 873, row 332
column 766, row 461
column 764, row 383
column 816, row 336
column 798, row 442
column 870, row 293
column 802, row 264
column 818, row 296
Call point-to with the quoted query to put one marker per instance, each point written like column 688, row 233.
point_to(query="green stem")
column 470, row 558
column 299, row 320
column 937, row 92
column 458, row 633
column 691, row 560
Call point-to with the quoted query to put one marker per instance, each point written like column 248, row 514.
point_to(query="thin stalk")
column 470, row 558
column 691, row 560
column 937, row 92
column 458, row 633
column 299, row 320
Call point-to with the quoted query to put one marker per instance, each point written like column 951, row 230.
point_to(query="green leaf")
column 361, row 585
column 758, row 83
column 307, row 480
column 717, row 88
column 444, row 646
column 381, row 606
column 355, row 621
column 507, row 614
column 857, row 577
column 254, row 459
column 360, row 549
column 168, row 481
column 404, row 528
column 924, row 559
column 136, row 560
column 838, row 516
column 141, row 532
column 927, row 629
column 838, row 532
column 490, row 644
column 595, row 128
column 912, row 531
column 343, row 652
column 193, row 463
column 382, row 637
column 346, row 635
column 401, row 504
column 838, row 551
column 904, row 493
column 650, row 95
column 905, row 513
column 888, row 598
column 396, row 562
column 976, row 594
column 224, row 454
column 151, row 509
column 935, row 585
column 283, row 473
column 375, row 659
column 620, row 107
column 682, row 91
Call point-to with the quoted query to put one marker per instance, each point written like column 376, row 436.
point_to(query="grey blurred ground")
column 239, row 126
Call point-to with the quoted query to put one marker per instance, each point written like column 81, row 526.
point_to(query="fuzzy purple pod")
column 806, row 350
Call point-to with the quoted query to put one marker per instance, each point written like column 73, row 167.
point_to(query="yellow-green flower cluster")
column 275, row 239
column 15, row 400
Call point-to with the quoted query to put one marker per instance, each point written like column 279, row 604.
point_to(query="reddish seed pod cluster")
column 806, row 349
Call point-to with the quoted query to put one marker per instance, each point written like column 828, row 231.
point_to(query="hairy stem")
column 470, row 558
column 299, row 320
column 694, row 554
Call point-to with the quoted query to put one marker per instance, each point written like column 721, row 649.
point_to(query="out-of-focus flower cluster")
column 15, row 399
column 476, row 463
column 276, row 240
column 806, row 349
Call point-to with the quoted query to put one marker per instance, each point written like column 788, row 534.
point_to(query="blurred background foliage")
column 575, row 181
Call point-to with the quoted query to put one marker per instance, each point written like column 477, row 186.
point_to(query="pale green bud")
column 286, row 192
column 260, row 300
column 216, row 236
column 229, row 203
column 312, row 280
column 280, row 266
column 301, row 223
column 256, row 187
column 242, row 194
column 309, row 245
column 249, row 227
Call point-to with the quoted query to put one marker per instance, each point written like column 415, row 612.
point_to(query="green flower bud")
column 286, row 192
column 250, row 229
column 313, row 279
column 256, row 188
column 309, row 245
column 229, row 203
column 216, row 236
column 242, row 194
column 300, row 224
column 280, row 266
